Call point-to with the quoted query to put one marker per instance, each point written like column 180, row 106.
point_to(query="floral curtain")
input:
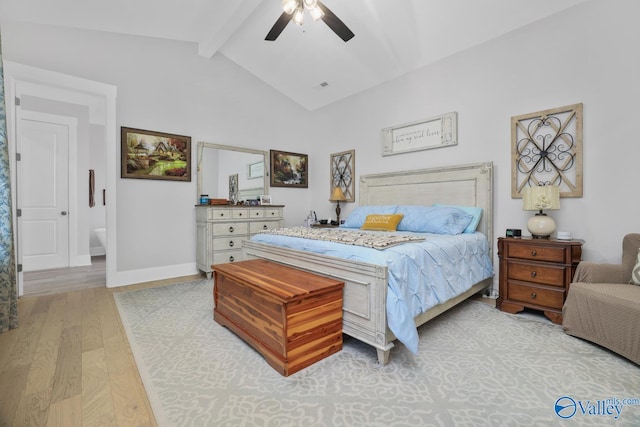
column 8, row 291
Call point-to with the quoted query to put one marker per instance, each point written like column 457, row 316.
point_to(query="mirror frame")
column 202, row 145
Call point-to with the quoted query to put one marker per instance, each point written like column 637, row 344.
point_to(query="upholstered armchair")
column 603, row 305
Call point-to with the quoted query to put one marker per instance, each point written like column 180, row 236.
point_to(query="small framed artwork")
column 289, row 169
column 265, row 200
column 148, row 154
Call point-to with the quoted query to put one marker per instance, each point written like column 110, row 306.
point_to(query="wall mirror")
column 217, row 162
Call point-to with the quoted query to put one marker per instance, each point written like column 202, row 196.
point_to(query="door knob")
column 63, row 213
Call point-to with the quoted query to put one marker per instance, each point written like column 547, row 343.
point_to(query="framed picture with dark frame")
column 289, row 169
column 148, row 154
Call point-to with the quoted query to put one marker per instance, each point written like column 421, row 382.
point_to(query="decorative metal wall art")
column 343, row 171
column 233, row 189
column 546, row 149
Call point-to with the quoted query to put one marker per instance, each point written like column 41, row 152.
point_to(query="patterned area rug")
column 476, row 366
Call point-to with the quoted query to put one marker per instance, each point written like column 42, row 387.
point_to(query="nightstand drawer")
column 537, row 253
column 543, row 274
column 536, row 296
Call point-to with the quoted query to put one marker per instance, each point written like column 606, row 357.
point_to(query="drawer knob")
column 231, row 243
column 534, row 274
column 533, row 295
column 240, row 214
column 265, row 227
column 534, row 253
column 231, row 258
column 230, row 229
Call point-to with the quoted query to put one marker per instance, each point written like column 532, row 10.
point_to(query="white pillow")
column 635, row 273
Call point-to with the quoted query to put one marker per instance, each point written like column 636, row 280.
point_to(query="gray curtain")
column 8, row 291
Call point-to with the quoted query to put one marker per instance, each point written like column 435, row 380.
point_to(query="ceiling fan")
column 294, row 11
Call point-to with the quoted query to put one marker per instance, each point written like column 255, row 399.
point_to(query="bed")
column 366, row 284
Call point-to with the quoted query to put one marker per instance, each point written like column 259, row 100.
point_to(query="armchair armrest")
column 591, row 272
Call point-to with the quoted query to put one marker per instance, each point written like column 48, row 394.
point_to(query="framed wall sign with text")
column 435, row 132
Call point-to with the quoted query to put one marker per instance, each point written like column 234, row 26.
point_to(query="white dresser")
column 222, row 228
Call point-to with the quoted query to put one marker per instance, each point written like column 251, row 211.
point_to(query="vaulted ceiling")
column 308, row 63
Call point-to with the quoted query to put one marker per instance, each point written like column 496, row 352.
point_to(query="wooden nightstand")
column 536, row 273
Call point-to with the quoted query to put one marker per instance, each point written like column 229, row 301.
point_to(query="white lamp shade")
column 543, row 197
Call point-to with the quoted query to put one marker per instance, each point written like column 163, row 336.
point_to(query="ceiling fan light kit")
column 294, row 11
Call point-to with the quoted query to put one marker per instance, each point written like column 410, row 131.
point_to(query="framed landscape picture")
column 155, row 155
column 289, row 169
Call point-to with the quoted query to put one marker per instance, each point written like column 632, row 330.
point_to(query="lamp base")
column 541, row 226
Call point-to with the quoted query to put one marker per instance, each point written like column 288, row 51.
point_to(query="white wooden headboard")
column 467, row 185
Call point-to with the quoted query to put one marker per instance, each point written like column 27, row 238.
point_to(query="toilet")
column 102, row 236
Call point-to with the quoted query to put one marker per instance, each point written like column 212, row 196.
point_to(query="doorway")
column 100, row 99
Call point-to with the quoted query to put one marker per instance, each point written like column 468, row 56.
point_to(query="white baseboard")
column 97, row 251
column 124, row 278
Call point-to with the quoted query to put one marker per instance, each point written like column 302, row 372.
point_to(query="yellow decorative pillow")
column 382, row 222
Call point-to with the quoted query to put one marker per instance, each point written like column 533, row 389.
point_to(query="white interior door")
column 43, row 191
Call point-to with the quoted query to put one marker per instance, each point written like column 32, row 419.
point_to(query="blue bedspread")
column 421, row 275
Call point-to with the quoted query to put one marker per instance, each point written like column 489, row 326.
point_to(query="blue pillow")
column 433, row 219
column 357, row 217
column 476, row 212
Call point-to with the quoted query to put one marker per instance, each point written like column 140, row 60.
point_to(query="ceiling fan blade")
column 278, row 27
column 336, row 24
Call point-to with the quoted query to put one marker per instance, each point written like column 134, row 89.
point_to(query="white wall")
column 585, row 54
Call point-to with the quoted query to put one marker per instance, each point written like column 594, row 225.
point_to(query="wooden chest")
column 292, row 317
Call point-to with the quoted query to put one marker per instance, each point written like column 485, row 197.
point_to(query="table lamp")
column 337, row 196
column 539, row 198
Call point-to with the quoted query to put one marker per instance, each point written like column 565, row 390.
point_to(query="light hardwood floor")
column 69, row 362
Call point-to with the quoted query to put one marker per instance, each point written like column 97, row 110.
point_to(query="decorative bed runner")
column 348, row 237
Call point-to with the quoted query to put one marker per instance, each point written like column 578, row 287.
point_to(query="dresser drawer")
column 228, row 242
column 258, row 226
column 221, row 257
column 537, row 253
column 534, row 295
column 230, row 228
column 273, row 213
column 256, row 213
column 216, row 214
column 240, row 213
column 537, row 273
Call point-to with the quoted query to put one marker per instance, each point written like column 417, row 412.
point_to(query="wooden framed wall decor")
column 434, row 132
column 343, row 172
column 289, row 169
column 233, row 189
column 546, row 149
column 155, row 155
